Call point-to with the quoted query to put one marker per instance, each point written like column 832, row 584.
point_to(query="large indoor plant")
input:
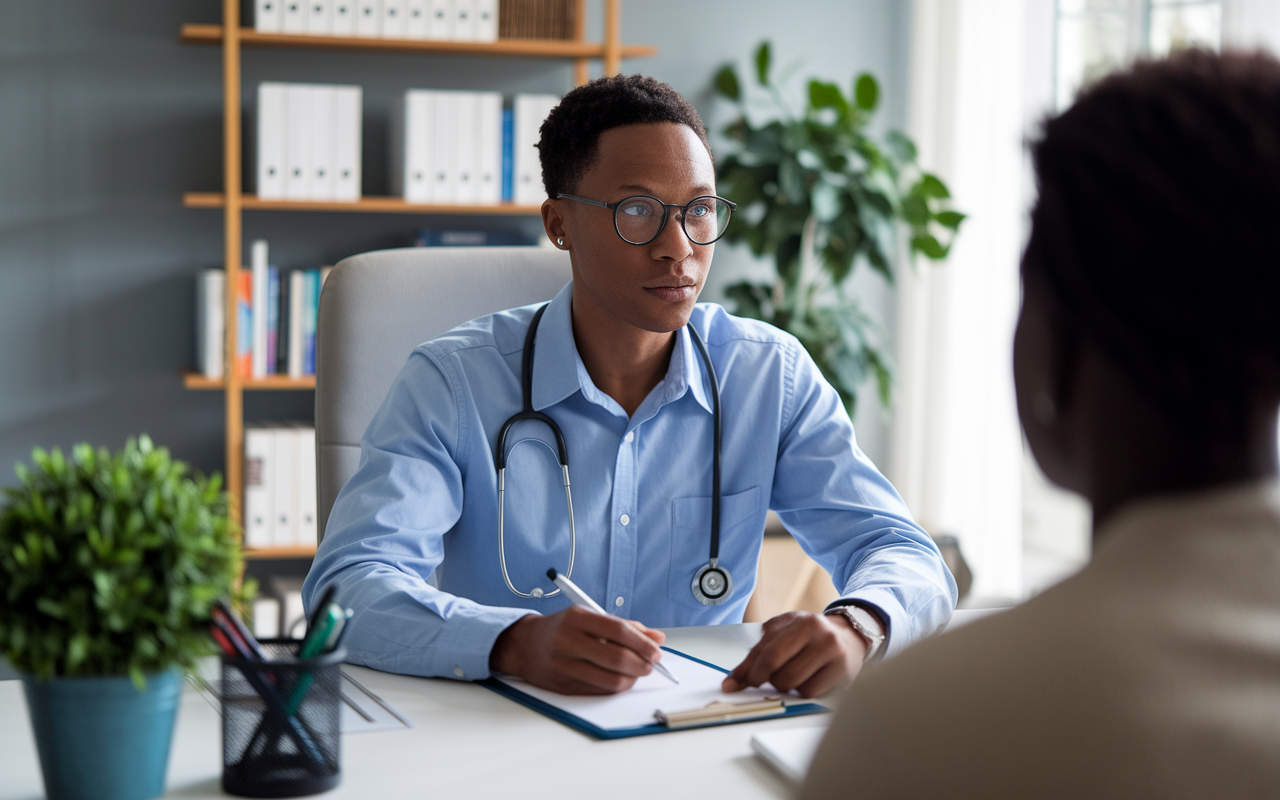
column 820, row 194
column 109, row 565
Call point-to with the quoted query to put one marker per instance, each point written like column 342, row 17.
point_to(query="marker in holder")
column 281, row 722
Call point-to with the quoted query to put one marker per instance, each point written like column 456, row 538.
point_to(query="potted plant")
column 820, row 194
column 108, row 567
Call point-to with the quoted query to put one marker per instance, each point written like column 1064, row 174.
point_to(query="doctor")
column 413, row 543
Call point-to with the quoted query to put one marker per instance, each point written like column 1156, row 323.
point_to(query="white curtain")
column 979, row 70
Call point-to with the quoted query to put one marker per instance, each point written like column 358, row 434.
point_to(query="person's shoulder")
column 720, row 328
column 502, row 332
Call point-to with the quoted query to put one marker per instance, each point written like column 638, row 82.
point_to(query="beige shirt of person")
column 1154, row 672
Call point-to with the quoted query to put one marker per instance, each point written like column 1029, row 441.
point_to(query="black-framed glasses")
column 639, row 219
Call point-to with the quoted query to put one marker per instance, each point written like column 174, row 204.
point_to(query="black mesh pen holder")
column 281, row 723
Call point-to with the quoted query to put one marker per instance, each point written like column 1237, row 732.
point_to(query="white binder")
column 368, row 18
column 417, row 19
column 346, row 143
column 486, row 17
column 284, row 531
column 394, row 17
column 530, row 111
column 344, row 18
column 305, row 482
column 259, row 448
column 413, row 149
column 270, row 156
column 298, row 142
column 442, row 19
column 323, row 117
column 464, row 20
column 258, row 307
column 297, row 306
column 488, row 148
column 319, row 17
column 444, row 160
column 267, row 16
column 211, row 315
column 294, row 16
column 466, row 152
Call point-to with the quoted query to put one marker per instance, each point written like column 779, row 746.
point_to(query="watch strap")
column 865, row 624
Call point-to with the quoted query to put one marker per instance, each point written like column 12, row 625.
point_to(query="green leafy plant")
column 820, row 194
column 109, row 563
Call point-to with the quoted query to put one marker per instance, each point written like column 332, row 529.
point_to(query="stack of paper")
column 457, row 20
column 308, row 142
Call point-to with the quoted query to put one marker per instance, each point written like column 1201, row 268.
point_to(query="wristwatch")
column 865, row 623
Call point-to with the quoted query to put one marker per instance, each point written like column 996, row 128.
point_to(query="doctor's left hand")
column 576, row 651
column 800, row 650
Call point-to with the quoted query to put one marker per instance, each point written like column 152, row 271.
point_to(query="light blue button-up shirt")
column 412, row 542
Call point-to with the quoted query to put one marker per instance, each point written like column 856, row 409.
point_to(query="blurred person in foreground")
column 1147, row 367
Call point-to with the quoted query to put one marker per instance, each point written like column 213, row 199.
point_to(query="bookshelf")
column 233, row 38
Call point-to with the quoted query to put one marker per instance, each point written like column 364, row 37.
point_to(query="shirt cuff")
column 884, row 606
column 465, row 644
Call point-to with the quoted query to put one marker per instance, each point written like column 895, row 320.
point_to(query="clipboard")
column 633, row 713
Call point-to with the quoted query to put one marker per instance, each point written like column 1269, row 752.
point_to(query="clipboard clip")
column 720, row 711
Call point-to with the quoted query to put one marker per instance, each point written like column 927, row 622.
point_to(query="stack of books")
column 308, row 144
column 458, row 20
column 279, row 486
column 275, row 319
column 464, row 148
column 537, row 19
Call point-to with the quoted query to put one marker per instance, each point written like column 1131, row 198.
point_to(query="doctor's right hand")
column 577, row 651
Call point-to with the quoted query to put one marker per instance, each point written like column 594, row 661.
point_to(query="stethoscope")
column 712, row 584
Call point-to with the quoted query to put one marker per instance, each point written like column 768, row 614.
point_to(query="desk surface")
column 473, row 743
column 470, row 742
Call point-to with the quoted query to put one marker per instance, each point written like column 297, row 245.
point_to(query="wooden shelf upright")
column 233, row 38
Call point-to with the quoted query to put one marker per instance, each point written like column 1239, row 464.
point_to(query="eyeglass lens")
column 639, row 219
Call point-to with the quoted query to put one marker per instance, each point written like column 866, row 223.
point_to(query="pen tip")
column 551, row 573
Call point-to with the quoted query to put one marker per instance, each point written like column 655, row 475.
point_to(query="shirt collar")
column 558, row 370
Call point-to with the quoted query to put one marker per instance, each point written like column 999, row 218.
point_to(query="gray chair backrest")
column 377, row 307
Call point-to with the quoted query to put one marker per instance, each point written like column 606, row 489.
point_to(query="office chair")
column 377, row 307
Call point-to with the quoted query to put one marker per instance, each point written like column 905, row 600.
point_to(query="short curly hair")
column 570, row 136
column 1157, row 189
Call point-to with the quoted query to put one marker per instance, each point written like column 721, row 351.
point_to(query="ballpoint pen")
column 581, row 598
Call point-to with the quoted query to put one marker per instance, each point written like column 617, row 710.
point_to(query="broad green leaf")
column 866, row 92
column 930, row 186
column 928, row 246
column 826, row 95
column 726, row 83
column 949, row 219
column 764, row 55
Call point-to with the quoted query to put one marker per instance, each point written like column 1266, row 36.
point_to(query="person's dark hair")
column 571, row 133
column 1157, row 190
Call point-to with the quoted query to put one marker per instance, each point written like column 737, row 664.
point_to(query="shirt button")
column 618, row 602
column 625, row 520
column 458, row 671
column 630, row 436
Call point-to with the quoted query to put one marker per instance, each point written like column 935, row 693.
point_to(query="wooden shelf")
column 513, row 48
column 199, row 382
column 279, row 552
column 365, row 205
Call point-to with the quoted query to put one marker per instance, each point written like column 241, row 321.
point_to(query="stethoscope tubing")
column 528, row 414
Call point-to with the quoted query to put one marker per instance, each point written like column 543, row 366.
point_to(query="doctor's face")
column 651, row 286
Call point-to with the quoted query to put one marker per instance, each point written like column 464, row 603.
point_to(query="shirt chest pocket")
column 741, row 528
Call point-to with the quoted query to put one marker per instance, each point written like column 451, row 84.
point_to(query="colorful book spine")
column 244, row 324
column 273, row 318
column 508, row 158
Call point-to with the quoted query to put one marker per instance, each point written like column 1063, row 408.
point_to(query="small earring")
column 1044, row 409
column 560, row 242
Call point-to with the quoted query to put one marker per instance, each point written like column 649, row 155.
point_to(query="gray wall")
column 106, row 120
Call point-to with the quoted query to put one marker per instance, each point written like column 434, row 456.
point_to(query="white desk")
column 470, row 742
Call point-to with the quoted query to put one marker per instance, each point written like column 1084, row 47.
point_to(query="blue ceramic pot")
column 100, row 737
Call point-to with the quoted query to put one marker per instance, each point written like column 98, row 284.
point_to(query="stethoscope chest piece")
column 712, row 585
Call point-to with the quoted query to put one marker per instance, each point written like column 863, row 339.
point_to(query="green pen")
column 314, row 645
